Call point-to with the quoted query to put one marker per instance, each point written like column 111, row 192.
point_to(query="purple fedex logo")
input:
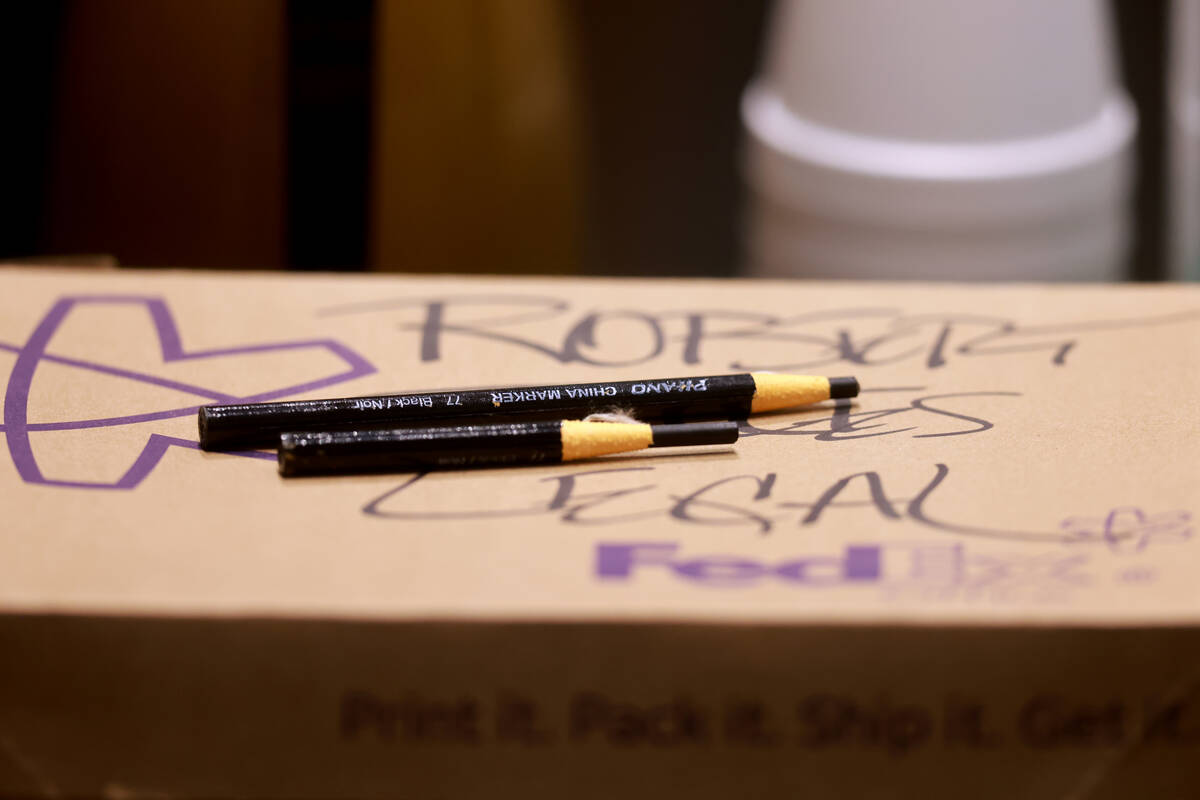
column 933, row 570
column 625, row 560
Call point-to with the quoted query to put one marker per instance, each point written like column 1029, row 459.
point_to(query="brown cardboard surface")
column 1049, row 434
column 1006, row 513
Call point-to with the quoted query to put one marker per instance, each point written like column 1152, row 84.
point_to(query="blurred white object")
column 938, row 139
column 1183, row 170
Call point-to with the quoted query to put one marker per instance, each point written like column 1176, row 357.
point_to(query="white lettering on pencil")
column 381, row 403
column 526, row 396
column 668, row 387
column 590, row 391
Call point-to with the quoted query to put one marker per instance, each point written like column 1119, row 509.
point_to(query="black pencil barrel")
column 457, row 447
column 247, row 425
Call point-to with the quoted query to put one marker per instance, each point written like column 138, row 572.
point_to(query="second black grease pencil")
column 464, row 446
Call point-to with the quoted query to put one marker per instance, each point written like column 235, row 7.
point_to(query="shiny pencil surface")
column 467, row 446
column 248, row 425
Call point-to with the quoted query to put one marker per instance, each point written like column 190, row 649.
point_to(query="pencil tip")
column 694, row 433
column 843, row 387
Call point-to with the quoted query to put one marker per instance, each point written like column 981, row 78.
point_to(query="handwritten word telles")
column 552, row 328
column 930, row 415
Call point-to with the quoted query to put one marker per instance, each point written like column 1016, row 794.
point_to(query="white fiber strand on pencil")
column 612, row 416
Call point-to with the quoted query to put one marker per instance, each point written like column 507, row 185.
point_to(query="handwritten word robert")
column 552, row 328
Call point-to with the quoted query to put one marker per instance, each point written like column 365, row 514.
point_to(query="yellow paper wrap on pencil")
column 773, row 391
column 589, row 439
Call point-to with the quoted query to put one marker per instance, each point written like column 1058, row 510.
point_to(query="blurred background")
column 550, row 136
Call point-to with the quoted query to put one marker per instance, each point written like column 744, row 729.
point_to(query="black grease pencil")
column 464, row 446
column 248, row 425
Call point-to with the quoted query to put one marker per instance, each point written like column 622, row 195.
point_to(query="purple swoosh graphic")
column 16, row 425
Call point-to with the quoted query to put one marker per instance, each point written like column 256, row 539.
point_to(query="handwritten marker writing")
column 463, row 446
column 248, row 425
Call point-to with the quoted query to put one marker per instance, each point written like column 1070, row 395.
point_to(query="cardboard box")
column 978, row 577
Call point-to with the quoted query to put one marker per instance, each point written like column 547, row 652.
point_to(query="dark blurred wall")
column 167, row 137
column 29, row 54
column 1142, row 38
column 477, row 151
column 661, row 83
column 560, row 136
column 330, row 63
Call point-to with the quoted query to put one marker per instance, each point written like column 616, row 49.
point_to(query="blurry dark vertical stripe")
column 1142, row 33
column 329, row 53
column 29, row 44
column 661, row 83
